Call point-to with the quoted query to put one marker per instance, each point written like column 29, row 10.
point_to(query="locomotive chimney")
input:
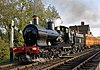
column 35, row 20
column 82, row 23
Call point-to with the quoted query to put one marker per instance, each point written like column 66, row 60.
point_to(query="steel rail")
column 78, row 67
column 71, row 59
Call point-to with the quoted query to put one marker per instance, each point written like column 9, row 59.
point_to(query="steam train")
column 48, row 42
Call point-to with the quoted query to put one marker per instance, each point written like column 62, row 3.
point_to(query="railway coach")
column 91, row 40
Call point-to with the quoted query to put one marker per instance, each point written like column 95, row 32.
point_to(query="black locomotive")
column 48, row 42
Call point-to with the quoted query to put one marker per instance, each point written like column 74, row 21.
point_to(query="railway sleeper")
column 67, row 64
column 90, row 65
column 62, row 68
column 87, row 68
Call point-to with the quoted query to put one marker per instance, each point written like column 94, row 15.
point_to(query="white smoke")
column 72, row 12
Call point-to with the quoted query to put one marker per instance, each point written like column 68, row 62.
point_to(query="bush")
column 4, row 50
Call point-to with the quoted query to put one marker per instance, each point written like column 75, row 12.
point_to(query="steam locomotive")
column 48, row 42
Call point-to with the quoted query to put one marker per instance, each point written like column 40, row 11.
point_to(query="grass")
column 4, row 61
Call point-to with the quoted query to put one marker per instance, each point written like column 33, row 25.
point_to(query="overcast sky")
column 72, row 12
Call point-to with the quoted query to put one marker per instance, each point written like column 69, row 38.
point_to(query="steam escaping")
column 57, row 22
column 75, row 11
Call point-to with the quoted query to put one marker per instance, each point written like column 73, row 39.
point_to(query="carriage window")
column 62, row 29
column 66, row 30
column 82, row 40
column 78, row 40
column 58, row 28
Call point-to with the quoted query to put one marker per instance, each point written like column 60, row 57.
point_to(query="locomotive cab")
column 64, row 32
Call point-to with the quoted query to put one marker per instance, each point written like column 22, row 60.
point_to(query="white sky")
column 72, row 12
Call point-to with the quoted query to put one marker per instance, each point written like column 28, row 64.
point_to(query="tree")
column 39, row 10
column 52, row 12
column 21, row 11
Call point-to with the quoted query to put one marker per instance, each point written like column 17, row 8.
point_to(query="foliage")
column 51, row 12
column 4, row 50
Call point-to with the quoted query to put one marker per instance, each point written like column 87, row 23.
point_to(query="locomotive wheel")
column 74, row 51
column 48, row 43
column 21, row 58
column 29, row 59
column 59, row 55
column 24, row 58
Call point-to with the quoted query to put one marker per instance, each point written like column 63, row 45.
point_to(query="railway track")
column 90, row 63
column 16, row 66
column 77, row 63
column 43, row 66
column 57, row 62
column 8, row 65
